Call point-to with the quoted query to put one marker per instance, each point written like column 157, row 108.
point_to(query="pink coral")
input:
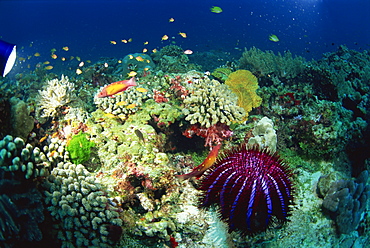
column 214, row 135
column 159, row 96
column 178, row 89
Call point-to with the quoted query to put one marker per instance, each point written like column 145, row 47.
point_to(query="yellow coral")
column 244, row 84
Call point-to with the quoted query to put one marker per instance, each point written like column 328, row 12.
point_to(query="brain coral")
column 211, row 102
column 244, row 84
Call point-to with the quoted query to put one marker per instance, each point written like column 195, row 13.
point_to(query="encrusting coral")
column 244, row 84
column 210, row 102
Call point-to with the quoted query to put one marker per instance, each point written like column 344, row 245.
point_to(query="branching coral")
column 244, row 84
column 210, row 102
column 265, row 63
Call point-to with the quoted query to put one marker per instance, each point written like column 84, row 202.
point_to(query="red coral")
column 159, row 96
column 214, row 135
column 176, row 86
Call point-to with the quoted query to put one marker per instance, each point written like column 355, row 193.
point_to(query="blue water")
column 305, row 27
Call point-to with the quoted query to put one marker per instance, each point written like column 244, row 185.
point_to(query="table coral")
column 244, row 84
column 211, row 102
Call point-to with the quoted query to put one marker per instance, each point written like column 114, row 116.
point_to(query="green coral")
column 79, row 148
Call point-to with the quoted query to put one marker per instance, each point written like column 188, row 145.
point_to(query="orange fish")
column 117, row 87
column 207, row 163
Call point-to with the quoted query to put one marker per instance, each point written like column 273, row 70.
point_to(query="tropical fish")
column 81, row 64
column 165, row 37
column 131, row 56
column 36, row 54
column 124, row 41
column 183, row 35
column 78, row 71
column 49, row 67
column 273, row 38
column 139, row 58
column 110, row 115
column 207, row 163
column 113, row 42
column 54, row 56
column 146, row 42
column 131, row 106
column 216, row 9
column 188, row 52
column 132, row 74
column 116, row 87
column 121, row 103
column 145, row 50
column 63, row 59
column 53, row 50
column 171, row 20
column 154, row 50
column 140, row 135
column 66, row 48
column 142, row 90
column 46, row 62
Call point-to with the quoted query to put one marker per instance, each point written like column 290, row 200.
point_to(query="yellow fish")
column 88, row 61
column 129, row 40
column 132, row 74
column 21, row 59
column 63, row 59
column 131, row 57
column 119, row 61
column 113, row 42
column 46, row 62
column 66, row 48
column 146, row 42
column 154, row 50
column 49, row 67
column 273, row 38
column 124, row 41
column 183, row 35
column 121, row 103
column 139, row 58
column 36, row 54
column 131, row 106
column 165, row 37
column 110, row 115
column 78, row 71
column 81, row 64
column 145, row 50
column 54, row 56
column 142, row 90
column 171, row 20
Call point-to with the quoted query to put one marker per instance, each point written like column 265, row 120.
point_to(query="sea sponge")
column 79, row 148
column 244, row 84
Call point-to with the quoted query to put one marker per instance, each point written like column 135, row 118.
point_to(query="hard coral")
column 214, row 134
column 244, row 84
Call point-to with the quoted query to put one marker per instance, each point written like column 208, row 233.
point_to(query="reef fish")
column 273, row 38
column 216, row 9
column 116, row 87
column 207, row 163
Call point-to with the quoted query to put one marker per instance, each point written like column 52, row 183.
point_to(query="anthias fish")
column 117, row 87
column 207, row 163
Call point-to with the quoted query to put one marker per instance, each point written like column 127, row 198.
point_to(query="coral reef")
column 137, row 62
column 221, row 73
column 210, row 102
column 81, row 210
column 345, row 200
column 59, row 98
column 21, row 211
column 264, row 134
column 244, row 84
column 21, row 121
column 79, row 148
column 267, row 63
column 213, row 135
column 22, row 159
column 171, row 59
column 123, row 105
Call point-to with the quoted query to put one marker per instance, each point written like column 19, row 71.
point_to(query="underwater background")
column 185, row 124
